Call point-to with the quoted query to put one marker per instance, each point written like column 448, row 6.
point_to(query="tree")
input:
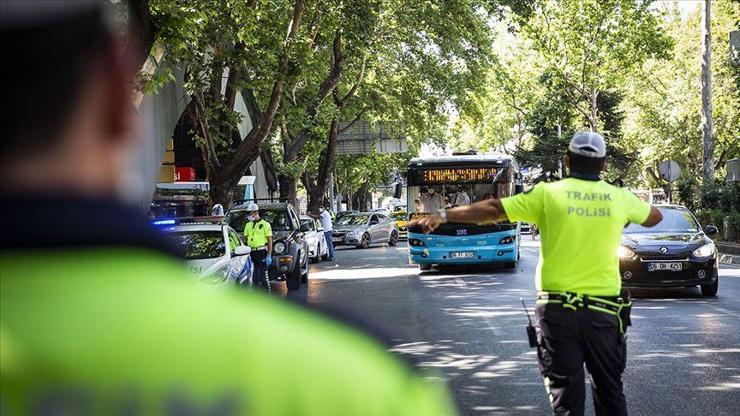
column 342, row 35
column 706, row 94
column 663, row 103
column 594, row 45
column 213, row 40
column 426, row 58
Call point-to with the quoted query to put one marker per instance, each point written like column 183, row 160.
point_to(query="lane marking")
column 488, row 320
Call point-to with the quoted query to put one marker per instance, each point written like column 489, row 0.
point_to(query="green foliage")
column 362, row 173
column 663, row 100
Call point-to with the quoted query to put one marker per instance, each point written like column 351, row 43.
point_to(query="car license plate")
column 670, row 266
column 337, row 239
column 462, row 255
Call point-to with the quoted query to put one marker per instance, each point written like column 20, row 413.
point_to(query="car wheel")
column 711, row 290
column 425, row 267
column 293, row 279
column 364, row 241
column 394, row 239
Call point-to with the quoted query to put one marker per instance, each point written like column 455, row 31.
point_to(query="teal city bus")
column 448, row 181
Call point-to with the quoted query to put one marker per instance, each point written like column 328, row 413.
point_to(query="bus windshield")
column 429, row 197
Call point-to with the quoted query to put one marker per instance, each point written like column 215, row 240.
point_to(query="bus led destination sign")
column 459, row 175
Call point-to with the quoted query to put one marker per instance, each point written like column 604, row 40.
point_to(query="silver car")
column 315, row 238
column 365, row 228
column 213, row 251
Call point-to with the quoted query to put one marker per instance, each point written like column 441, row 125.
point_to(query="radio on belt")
column 531, row 333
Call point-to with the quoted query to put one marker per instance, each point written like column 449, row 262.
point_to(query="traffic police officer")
column 97, row 314
column 259, row 238
column 581, row 315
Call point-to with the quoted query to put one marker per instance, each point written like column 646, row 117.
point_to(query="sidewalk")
column 729, row 253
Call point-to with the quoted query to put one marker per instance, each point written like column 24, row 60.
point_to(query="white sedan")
column 213, row 251
column 314, row 235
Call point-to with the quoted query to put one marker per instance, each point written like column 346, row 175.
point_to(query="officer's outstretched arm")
column 654, row 218
column 490, row 210
column 480, row 212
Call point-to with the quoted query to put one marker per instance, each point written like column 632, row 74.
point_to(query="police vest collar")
column 585, row 176
column 30, row 221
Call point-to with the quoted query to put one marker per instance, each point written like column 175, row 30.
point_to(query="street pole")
column 706, row 96
column 561, row 162
column 333, row 202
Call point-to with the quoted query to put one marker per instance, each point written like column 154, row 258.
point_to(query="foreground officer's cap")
column 253, row 207
column 26, row 14
column 588, row 143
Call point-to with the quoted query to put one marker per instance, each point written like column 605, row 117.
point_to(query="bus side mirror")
column 397, row 190
column 518, row 189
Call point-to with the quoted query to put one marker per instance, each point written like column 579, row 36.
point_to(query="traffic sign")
column 669, row 170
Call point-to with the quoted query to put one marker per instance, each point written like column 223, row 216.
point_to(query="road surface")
column 468, row 324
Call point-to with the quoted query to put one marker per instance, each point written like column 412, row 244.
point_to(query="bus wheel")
column 510, row 265
column 425, row 267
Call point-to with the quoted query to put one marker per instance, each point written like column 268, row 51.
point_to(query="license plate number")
column 669, row 266
column 462, row 255
column 336, row 239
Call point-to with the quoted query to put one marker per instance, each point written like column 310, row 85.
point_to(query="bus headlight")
column 279, row 248
column 706, row 250
column 416, row 243
column 507, row 240
column 625, row 253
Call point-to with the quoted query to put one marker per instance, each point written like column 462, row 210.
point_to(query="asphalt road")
column 468, row 324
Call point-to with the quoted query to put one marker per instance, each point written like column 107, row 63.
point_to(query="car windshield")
column 200, row 244
column 278, row 219
column 398, row 216
column 308, row 222
column 676, row 220
column 352, row 220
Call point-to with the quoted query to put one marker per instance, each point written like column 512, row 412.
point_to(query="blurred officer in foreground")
column 581, row 313
column 97, row 315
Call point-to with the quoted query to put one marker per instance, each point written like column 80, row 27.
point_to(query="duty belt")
column 259, row 248
column 618, row 306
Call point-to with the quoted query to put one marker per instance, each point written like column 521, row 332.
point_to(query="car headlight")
column 352, row 234
column 625, row 253
column 279, row 248
column 706, row 250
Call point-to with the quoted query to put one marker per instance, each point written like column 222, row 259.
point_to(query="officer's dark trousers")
column 569, row 339
column 260, row 277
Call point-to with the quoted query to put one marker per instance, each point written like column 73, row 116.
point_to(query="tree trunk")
column 326, row 167
column 289, row 189
column 592, row 119
column 221, row 192
column 706, row 96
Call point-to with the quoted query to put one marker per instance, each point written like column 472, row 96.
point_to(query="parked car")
column 315, row 239
column 289, row 248
column 365, row 228
column 343, row 213
column 399, row 217
column 675, row 253
column 213, row 251
column 524, row 227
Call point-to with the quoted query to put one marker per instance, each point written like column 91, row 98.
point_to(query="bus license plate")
column 462, row 255
column 670, row 266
